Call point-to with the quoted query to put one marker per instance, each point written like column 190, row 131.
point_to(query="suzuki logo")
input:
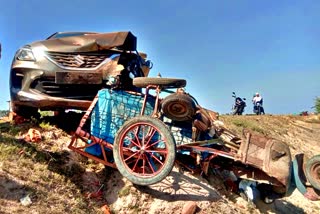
column 79, row 60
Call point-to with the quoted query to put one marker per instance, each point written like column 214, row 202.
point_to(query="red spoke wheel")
column 313, row 171
column 144, row 150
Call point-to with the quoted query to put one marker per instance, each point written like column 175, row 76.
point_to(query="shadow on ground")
column 10, row 189
column 68, row 122
column 279, row 206
column 180, row 187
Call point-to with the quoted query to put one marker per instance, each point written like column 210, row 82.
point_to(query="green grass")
column 10, row 128
column 45, row 125
column 248, row 124
column 53, row 185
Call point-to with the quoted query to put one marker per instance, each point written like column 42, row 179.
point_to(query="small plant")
column 46, row 114
column 45, row 125
column 124, row 191
column 317, row 105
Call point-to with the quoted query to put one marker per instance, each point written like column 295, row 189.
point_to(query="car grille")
column 70, row 91
column 78, row 60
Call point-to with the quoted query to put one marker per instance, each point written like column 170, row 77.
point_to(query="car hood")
column 91, row 42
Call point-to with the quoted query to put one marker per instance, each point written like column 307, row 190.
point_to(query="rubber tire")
column 26, row 111
column 143, row 82
column 183, row 100
column 235, row 111
column 315, row 160
column 259, row 110
column 168, row 165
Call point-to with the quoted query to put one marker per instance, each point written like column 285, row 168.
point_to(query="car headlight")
column 25, row 54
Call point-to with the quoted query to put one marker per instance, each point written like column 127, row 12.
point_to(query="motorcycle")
column 258, row 108
column 239, row 105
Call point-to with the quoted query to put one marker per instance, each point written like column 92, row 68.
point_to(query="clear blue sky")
column 271, row 47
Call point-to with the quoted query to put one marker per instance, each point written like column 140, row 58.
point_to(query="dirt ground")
column 57, row 180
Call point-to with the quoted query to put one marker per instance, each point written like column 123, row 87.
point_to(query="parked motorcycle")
column 239, row 105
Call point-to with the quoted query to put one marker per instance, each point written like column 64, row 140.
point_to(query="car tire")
column 135, row 162
column 178, row 107
column 313, row 171
column 143, row 82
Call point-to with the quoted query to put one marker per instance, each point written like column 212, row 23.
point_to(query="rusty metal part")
column 206, row 163
column 84, row 136
column 205, row 142
column 157, row 100
column 229, row 155
column 200, row 125
column 80, row 149
column 211, row 115
column 252, row 173
column 195, row 133
column 192, row 170
column 271, row 156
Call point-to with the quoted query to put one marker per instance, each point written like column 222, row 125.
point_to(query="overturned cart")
column 144, row 134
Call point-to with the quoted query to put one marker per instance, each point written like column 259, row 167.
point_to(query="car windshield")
column 62, row 35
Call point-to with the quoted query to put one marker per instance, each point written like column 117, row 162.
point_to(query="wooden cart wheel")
column 144, row 150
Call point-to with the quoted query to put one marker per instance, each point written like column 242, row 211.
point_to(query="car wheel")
column 26, row 111
column 143, row 82
column 178, row 107
column 313, row 171
column 144, row 150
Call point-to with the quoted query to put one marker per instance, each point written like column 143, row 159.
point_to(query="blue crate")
column 113, row 109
